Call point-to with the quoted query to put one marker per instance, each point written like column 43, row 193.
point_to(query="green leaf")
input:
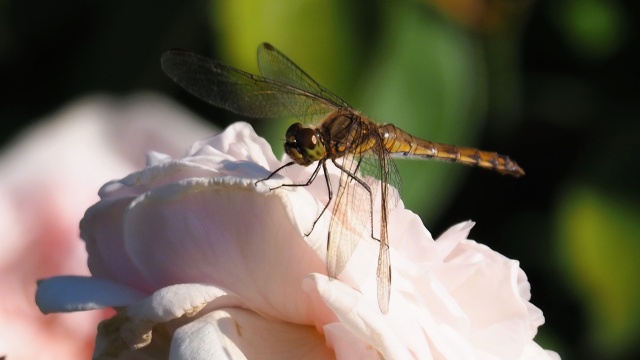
column 427, row 75
column 427, row 78
column 315, row 34
column 599, row 249
column 593, row 28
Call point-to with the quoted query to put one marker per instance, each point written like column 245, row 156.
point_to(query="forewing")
column 238, row 91
column 275, row 65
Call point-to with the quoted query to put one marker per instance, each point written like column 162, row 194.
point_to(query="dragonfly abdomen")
column 402, row 144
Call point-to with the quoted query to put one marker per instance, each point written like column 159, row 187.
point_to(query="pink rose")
column 202, row 263
column 48, row 178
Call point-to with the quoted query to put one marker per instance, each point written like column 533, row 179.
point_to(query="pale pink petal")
column 78, row 293
column 237, row 334
column 102, row 229
column 231, row 273
column 238, row 142
column 144, row 324
column 358, row 315
column 348, row 345
column 48, row 177
column 247, row 252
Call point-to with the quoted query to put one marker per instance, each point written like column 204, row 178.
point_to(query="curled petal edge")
column 133, row 327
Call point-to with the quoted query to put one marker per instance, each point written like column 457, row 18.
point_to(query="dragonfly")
column 359, row 147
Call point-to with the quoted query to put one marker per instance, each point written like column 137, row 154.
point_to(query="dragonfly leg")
column 273, row 173
column 330, row 193
column 311, row 179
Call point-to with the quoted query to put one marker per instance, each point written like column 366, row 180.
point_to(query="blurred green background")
column 553, row 84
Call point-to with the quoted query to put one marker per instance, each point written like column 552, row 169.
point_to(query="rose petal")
column 233, row 275
column 348, row 345
column 238, row 334
column 102, row 229
column 234, row 246
column 358, row 315
column 147, row 322
column 237, row 142
column 77, row 293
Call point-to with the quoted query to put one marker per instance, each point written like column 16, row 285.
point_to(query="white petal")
column 76, row 293
column 452, row 237
column 238, row 142
column 359, row 315
column 215, row 232
column 102, row 229
column 348, row 345
column 146, row 325
column 241, row 334
column 174, row 301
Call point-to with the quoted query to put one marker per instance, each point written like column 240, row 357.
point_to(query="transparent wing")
column 383, row 273
column 275, row 65
column 353, row 213
column 238, row 91
column 371, row 165
column 351, row 217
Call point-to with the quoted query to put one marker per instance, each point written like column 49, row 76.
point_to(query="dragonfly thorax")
column 346, row 131
column 304, row 145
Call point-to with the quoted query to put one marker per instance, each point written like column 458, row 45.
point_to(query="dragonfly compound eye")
column 298, row 140
column 292, row 132
column 309, row 144
column 295, row 154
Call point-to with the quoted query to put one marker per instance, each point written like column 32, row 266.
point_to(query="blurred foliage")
column 432, row 88
column 486, row 16
column 598, row 249
column 593, row 28
column 550, row 83
column 423, row 73
column 329, row 56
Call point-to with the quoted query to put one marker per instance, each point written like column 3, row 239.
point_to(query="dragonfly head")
column 304, row 145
